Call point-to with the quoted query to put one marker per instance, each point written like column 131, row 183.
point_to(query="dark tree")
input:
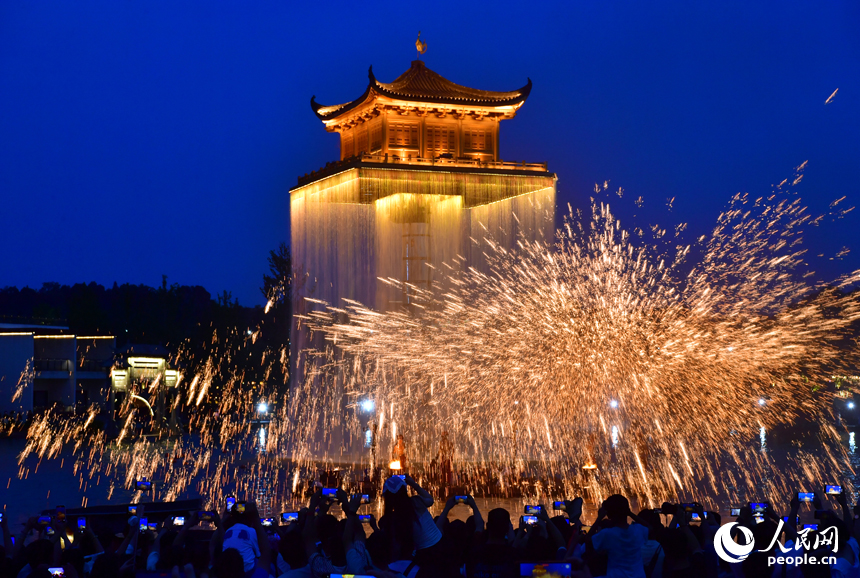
column 276, row 285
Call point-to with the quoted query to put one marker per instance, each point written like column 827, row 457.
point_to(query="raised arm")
column 7, row 536
column 552, row 532
column 443, row 517
column 425, row 496
column 476, row 513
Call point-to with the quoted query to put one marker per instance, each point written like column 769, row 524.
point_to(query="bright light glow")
column 368, row 405
column 262, row 407
column 850, row 405
column 761, row 401
column 613, row 403
column 395, row 465
column 615, row 436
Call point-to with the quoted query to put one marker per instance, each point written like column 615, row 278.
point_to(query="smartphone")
column 736, row 512
column 689, row 506
column 560, row 569
column 267, row 521
column 288, row 517
column 56, row 571
column 365, row 498
column 44, row 520
column 1, row 516
column 179, row 521
column 759, row 506
column 758, row 517
column 810, row 526
column 532, row 510
column 205, row 516
column 530, row 520
column 805, row 496
column 350, row 576
column 330, row 493
column 364, row 518
column 144, row 526
column 796, row 521
column 152, row 526
column 61, row 513
column 49, row 531
column 132, row 510
column 239, row 507
column 82, row 523
column 559, row 506
column 833, row 490
column 231, row 501
column 694, row 517
column 461, row 499
column 143, row 485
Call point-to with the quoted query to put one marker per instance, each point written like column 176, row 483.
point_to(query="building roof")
column 420, row 84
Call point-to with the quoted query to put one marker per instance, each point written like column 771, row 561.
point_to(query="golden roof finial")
column 420, row 46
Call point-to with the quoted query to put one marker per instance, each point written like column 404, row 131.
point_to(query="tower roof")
column 420, row 84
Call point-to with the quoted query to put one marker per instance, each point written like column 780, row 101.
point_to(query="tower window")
column 476, row 140
column 403, row 135
column 441, row 140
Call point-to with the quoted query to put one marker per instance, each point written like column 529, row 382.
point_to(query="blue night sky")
column 147, row 138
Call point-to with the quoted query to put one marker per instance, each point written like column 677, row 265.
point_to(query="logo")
column 733, row 552
column 730, row 551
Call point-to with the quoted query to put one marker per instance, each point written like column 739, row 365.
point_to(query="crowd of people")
column 407, row 541
column 14, row 422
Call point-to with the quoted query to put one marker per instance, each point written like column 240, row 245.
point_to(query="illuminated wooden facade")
column 422, row 115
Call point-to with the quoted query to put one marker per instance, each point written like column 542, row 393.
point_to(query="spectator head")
column 229, row 564
column 617, row 507
column 498, row 524
column 39, row 552
column 378, row 546
column 331, row 538
column 106, row 566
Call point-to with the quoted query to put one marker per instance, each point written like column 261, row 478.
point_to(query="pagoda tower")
column 419, row 186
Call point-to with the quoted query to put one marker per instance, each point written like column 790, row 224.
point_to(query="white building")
column 41, row 367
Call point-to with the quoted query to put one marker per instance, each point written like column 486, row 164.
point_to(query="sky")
column 141, row 139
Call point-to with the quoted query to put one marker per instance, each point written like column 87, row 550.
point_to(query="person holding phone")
column 409, row 523
column 622, row 542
